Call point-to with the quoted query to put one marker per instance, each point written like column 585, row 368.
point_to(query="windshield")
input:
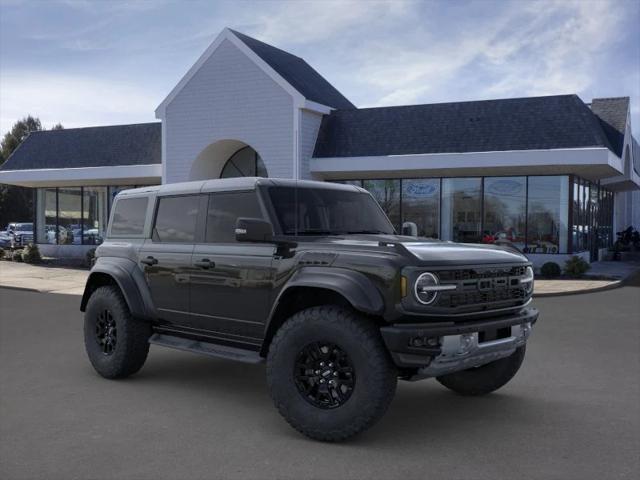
column 24, row 227
column 324, row 211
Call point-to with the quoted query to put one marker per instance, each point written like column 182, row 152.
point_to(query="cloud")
column 73, row 100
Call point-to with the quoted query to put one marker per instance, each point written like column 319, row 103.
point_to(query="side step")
column 205, row 348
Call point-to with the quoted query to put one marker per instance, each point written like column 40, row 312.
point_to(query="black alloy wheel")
column 106, row 332
column 324, row 375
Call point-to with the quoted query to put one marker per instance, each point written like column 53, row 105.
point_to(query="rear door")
column 231, row 281
column 166, row 257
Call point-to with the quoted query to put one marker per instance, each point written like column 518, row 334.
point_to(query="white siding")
column 229, row 97
column 309, row 127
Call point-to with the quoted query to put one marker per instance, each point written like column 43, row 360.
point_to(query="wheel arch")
column 122, row 276
column 315, row 286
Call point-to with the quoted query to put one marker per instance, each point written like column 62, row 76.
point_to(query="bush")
column 17, row 256
column 91, row 256
column 551, row 270
column 2, row 254
column 576, row 266
column 31, row 254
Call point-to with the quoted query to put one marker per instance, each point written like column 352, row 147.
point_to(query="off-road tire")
column 132, row 336
column 375, row 374
column 485, row 379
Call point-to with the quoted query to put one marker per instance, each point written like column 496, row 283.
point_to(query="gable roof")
column 533, row 123
column 298, row 73
column 612, row 114
column 115, row 145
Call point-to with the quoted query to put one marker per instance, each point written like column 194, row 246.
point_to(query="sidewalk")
column 41, row 278
column 71, row 281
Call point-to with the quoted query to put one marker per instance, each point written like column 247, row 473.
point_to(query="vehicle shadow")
column 422, row 412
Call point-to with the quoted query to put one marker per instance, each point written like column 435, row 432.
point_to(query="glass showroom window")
column 547, row 220
column 244, row 163
column 461, row 204
column 69, row 216
column 387, row 194
column 505, row 215
column 46, row 217
column 94, row 214
column 421, row 207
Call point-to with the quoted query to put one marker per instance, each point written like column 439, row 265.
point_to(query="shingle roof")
column 298, row 73
column 612, row 113
column 562, row 121
column 137, row 144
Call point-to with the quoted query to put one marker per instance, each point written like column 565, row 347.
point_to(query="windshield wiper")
column 372, row 232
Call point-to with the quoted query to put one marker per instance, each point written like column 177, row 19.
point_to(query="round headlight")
column 527, row 280
column 424, row 288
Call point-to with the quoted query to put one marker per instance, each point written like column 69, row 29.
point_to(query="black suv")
column 311, row 278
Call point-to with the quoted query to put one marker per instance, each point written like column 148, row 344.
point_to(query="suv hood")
column 437, row 252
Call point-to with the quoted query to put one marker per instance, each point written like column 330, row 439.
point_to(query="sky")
column 85, row 63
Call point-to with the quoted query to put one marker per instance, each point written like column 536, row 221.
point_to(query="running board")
column 205, row 348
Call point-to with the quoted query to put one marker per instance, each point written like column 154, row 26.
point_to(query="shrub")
column 91, row 256
column 17, row 256
column 576, row 266
column 2, row 254
column 551, row 270
column 31, row 254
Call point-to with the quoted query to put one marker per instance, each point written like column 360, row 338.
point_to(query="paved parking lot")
column 572, row 411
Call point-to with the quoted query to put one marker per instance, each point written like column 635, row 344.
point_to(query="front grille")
column 482, row 288
column 477, row 273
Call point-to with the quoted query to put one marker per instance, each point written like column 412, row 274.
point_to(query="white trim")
column 163, row 151
column 604, row 161
column 317, row 107
column 227, row 34
column 113, row 175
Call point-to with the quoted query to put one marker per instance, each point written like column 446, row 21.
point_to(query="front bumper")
column 436, row 349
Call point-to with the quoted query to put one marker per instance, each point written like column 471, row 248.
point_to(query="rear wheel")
column 329, row 374
column 486, row 378
column 116, row 343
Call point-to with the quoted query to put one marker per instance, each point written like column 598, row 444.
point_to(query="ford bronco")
column 311, row 278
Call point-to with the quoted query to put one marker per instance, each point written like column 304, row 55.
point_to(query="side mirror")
column 253, row 230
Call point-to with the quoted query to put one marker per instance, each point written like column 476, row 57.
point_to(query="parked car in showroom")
column 18, row 234
column 311, row 279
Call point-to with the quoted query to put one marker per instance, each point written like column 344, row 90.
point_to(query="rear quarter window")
column 129, row 215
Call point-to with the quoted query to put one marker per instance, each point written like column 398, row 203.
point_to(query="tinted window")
column 176, row 219
column 321, row 211
column 224, row 210
column 129, row 215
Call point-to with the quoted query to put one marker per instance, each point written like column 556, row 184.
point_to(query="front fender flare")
column 129, row 279
column 359, row 290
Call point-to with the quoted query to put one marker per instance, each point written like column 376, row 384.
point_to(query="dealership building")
column 553, row 176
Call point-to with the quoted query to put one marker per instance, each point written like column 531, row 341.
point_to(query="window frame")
column 110, row 233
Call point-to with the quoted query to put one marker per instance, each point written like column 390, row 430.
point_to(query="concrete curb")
column 24, row 289
column 613, row 285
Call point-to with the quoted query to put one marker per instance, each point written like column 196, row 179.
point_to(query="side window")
column 176, row 219
column 129, row 215
column 224, row 210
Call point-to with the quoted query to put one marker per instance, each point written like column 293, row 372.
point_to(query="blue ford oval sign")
column 421, row 189
column 505, row 187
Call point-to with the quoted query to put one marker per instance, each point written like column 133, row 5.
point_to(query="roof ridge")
column 240, row 34
column 625, row 97
column 461, row 102
column 97, row 126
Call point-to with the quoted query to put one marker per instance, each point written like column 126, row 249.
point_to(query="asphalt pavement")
column 573, row 411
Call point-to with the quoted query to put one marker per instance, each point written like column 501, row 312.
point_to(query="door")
column 166, row 257
column 230, row 281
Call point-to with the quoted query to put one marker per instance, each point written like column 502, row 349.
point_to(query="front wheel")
column 116, row 343
column 329, row 374
column 486, row 378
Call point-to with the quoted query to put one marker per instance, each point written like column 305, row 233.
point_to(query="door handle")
column 204, row 263
column 149, row 260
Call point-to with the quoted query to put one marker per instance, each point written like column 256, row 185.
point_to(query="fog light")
column 466, row 343
column 525, row 331
column 417, row 342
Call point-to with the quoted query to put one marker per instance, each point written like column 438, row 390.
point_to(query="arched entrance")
column 226, row 159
